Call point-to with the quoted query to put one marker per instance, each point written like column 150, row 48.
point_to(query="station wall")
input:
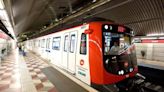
column 153, row 51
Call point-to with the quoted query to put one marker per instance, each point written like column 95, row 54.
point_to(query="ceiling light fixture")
column 155, row 34
column 5, row 19
column 1, row 4
column 94, row 1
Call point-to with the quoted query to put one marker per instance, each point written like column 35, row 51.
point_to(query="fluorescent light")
column 5, row 19
column 94, row 1
column 1, row 4
column 1, row 14
column 6, row 16
column 155, row 34
column 5, row 23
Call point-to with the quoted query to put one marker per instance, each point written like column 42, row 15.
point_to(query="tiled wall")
column 153, row 51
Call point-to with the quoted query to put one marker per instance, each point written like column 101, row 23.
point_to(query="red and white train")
column 85, row 51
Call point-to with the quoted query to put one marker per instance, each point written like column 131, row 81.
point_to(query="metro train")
column 85, row 51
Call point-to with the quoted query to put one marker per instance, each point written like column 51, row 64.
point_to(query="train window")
column 83, row 44
column 33, row 43
column 66, row 43
column 56, row 43
column 43, row 41
column 115, row 43
column 29, row 43
column 107, row 38
column 72, row 43
column 48, row 43
column 38, row 43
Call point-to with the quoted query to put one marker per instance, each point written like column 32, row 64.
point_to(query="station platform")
column 31, row 74
column 151, row 64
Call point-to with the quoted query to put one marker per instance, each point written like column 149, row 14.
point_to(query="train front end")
column 119, row 56
column 117, row 60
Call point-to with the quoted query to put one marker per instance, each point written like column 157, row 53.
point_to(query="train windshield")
column 119, row 53
column 115, row 44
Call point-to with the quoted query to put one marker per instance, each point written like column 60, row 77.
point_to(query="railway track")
column 153, row 79
column 149, row 80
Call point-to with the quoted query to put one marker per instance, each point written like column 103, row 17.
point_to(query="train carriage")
column 85, row 51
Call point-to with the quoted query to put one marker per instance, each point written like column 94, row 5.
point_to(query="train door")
column 56, row 51
column 65, row 51
column 42, row 47
column 72, row 52
column 69, row 51
column 48, row 49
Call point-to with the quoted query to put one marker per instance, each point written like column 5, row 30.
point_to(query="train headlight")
column 106, row 27
column 121, row 72
column 131, row 69
column 107, row 61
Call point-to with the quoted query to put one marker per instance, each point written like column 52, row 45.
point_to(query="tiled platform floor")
column 10, row 75
column 23, row 74
column 39, row 79
column 18, row 74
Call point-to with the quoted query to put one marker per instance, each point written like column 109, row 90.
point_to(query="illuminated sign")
column 111, row 28
column 115, row 28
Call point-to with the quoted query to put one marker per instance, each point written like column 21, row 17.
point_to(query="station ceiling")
column 30, row 18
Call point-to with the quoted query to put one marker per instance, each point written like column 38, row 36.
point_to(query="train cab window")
column 107, row 39
column 119, row 54
column 115, row 43
column 83, row 44
column 56, row 43
column 66, row 43
column 72, row 43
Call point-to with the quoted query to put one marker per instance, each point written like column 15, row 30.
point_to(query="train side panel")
column 56, row 49
column 82, row 55
column 95, row 53
column 65, row 50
